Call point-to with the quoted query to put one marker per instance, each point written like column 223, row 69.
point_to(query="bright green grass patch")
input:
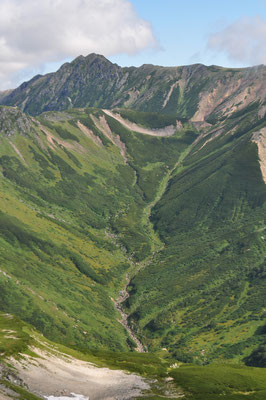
column 221, row 382
column 148, row 119
column 13, row 338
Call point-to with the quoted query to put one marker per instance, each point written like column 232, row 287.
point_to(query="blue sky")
column 182, row 29
column 37, row 36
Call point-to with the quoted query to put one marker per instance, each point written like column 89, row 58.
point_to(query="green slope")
column 203, row 295
column 183, row 216
column 71, row 220
column 227, row 381
column 88, row 205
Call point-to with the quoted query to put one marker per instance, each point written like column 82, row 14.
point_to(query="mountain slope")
column 169, row 205
column 71, row 212
column 4, row 93
column 196, row 91
column 29, row 362
column 203, row 295
column 81, row 185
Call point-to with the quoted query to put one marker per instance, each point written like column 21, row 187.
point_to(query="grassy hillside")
column 86, row 203
column 71, row 220
column 75, row 213
column 203, row 296
column 215, row 381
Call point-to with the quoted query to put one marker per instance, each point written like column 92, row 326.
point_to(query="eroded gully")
column 123, row 295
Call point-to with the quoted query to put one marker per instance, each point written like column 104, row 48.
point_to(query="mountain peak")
column 90, row 58
column 85, row 61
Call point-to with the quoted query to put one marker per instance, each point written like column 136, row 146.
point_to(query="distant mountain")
column 192, row 92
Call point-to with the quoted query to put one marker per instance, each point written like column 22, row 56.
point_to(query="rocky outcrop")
column 12, row 120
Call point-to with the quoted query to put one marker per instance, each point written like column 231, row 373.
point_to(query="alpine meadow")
column 132, row 232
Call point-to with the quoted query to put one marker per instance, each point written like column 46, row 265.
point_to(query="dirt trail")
column 167, row 131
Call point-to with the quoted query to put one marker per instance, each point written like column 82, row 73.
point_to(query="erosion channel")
column 123, row 295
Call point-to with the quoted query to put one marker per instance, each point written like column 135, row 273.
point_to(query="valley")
column 132, row 230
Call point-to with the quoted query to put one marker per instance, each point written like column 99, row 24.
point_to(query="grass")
column 210, row 304
column 62, row 201
column 148, row 119
column 184, row 220
column 13, row 338
column 221, row 381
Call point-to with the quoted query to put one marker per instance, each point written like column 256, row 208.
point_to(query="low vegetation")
column 184, row 218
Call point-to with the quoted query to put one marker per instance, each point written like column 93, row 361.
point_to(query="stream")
column 123, row 295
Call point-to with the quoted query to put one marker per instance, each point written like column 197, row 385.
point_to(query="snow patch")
column 74, row 396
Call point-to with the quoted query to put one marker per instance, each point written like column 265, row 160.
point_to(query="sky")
column 37, row 36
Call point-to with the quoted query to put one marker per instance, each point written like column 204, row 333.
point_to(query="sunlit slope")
column 77, row 190
column 203, row 295
column 56, row 272
column 72, row 207
column 27, row 357
column 203, row 93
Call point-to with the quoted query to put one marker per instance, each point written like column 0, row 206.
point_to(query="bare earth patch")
column 52, row 140
column 260, row 139
column 169, row 94
column 102, row 125
column 167, row 131
column 89, row 134
column 60, row 375
column 18, row 152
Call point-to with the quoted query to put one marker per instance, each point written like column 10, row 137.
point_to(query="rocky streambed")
column 123, row 295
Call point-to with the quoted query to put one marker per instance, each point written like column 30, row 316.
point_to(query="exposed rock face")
column 194, row 92
column 7, row 375
column 12, row 120
column 260, row 139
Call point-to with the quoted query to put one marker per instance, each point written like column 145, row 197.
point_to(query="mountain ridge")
column 197, row 92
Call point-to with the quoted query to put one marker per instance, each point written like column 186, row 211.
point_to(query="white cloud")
column 243, row 41
column 34, row 32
